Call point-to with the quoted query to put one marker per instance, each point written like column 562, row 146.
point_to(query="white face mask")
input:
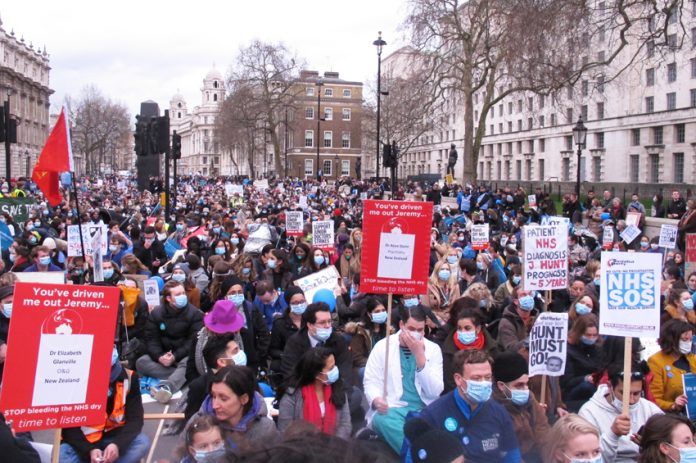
column 685, row 347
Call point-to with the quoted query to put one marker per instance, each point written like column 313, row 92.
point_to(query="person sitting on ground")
column 203, row 441
column 41, row 256
column 666, row 439
column 572, row 439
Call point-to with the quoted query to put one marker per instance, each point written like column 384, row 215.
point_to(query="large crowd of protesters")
column 263, row 373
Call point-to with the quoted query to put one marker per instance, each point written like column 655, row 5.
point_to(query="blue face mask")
column 237, row 299
column 479, row 265
column 240, row 358
column 466, row 337
column 582, row 309
column 181, row 301
column 45, row 261
column 234, row 241
column 298, row 309
column 220, row 251
column 319, row 260
column 483, row 303
column 527, row 303
column 271, row 264
column 688, row 304
column 180, row 227
column 332, row 375
column 686, row 454
column 596, row 281
column 179, row 277
column 452, row 259
column 209, row 457
column 588, row 341
column 108, row 273
column 518, row 397
column 114, row 357
column 246, row 271
column 479, row 391
column 516, row 280
column 323, row 333
column 411, row 302
column 216, row 230
column 443, row 275
column 379, row 318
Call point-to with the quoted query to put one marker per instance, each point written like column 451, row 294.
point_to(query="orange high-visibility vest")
column 116, row 419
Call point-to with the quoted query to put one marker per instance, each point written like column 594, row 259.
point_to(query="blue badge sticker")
column 451, row 424
column 465, row 440
column 422, row 454
column 670, row 375
column 162, row 327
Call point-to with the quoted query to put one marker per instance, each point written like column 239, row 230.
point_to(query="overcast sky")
column 139, row 50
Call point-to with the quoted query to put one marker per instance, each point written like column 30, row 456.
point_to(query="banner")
column 668, row 236
column 545, row 257
column 689, row 385
column 261, row 184
column 323, row 234
column 690, row 254
column 396, row 247
column 323, row 279
column 629, row 303
column 18, row 208
column 480, row 236
column 451, row 203
column 303, row 202
column 294, row 223
column 59, row 355
column 89, row 230
column 547, row 344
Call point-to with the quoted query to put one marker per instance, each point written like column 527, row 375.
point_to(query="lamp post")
column 27, row 162
column 379, row 43
column 580, row 136
column 319, row 84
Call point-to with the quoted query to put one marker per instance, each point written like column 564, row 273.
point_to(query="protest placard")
column 690, row 254
column 396, row 247
column 689, row 384
column 633, row 218
column 531, row 199
column 363, row 196
column 545, row 257
column 303, row 202
column 261, row 184
column 556, row 221
column 18, row 208
column 323, row 279
column 96, row 254
column 451, row 203
column 629, row 303
column 88, row 232
column 630, row 233
column 480, row 236
column 323, row 234
column 608, row 237
column 668, row 236
column 294, row 223
column 547, row 344
column 58, row 355
column 152, row 294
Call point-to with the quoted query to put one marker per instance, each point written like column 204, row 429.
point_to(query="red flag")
column 56, row 157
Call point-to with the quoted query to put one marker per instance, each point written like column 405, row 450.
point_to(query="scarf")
column 477, row 344
column 311, row 412
column 246, row 420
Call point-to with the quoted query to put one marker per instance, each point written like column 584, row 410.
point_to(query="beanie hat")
column 509, row 366
column 290, row 292
column 430, row 444
column 228, row 282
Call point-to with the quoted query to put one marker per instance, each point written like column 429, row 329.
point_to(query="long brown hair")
column 580, row 326
column 658, row 429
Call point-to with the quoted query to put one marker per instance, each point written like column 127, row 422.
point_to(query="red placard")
column 58, row 355
column 396, row 247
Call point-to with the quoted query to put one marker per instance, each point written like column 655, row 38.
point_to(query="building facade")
column 24, row 81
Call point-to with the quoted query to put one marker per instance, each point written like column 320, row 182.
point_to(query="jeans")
column 174, row 376
column 136, row 450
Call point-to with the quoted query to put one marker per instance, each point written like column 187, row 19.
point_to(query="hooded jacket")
column 512, row 331
column 602, row 414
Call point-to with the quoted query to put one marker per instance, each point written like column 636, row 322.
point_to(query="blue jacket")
column 269, row 311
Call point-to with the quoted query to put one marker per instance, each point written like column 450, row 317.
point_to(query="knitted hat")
column 6, row 291
column 509, row 366
column 228, row 282
column 429, row 444
column 290, row 292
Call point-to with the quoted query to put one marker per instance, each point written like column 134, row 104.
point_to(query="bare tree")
column 490, row 49
column 101, row 128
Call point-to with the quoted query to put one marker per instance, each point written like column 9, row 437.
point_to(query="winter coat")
column 512, row 331
column 449, row 348
column 171, row 329
column 530, row 424
column 291, row 409
column 283, row 329
column 581, row 360
column 299, row 343
column 667, row 382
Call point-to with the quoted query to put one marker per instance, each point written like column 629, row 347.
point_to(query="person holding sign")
column 583, row 360
column 604, row 412
column 670, row 364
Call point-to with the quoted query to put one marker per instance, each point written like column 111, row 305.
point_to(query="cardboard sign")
column 547, row 344
column 323, row 279
column 633, row 218
column 261, row 184
column 97, row 256
column 480, row 236
column 629, row 302
column 88, row 233
column 451, row 203
column 396, row 247
column 556, row 221
column 608, row 238
column 152, row 294
column 690, row 254
column 323, row 234
column 668, row 236
column 18, row 208
column 531, row 199
column 294, row 223
column 689, row 384
column 630, row 233
column 545, row 262
column 59, row 355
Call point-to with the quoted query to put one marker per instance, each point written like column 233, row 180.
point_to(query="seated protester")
column 255, row 335
column 278, row 271
column 680, row 306
column 486, row 272
column 6, row 297
column 467, row 273
column 443, row 290
column 41, row 257
column 583, row 305
column 119, row 437
column 511, row 390
column 317, row 395
column 220, row 351
column 149, row 250
column 180, row 274
column 203, row 441
column 317, row 330
column 260, row 263
column 221, row 247
column 666, row 439
column 170, row 330
column 118, row 247
column 365, row 334
column 245, row 269
column 268, row 302
column 670, row 364
column 431, row 444
column 300, row 260
column 354, row 307
column 503, row 294
column 562, row 298
column 16, row 450
column 480, row 292
column 483, row 426
column 318, row 262
column 517, row 321
column 469, row 333
column 136, row 312
column 573, row 439
column 19, row 256
column 285, row 326
column 238, row 408
column 131, row 265
column 583, row 360
column 345, row 264
column 605, row 412
column 414, row 379
column 197, row 273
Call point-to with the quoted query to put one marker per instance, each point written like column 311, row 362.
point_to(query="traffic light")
column 176, row 145
column 386, row 154
column 394, row 154
column 140, row 136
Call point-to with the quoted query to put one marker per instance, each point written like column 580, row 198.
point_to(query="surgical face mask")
column 30, row 226
column 319, row 260
column 246, row 271
column 180, row 227
column 298, row 309
column 107, row 273
column 271, row 264
column 332, row 375
column 220, row 251
column 516, row 279
column 582, row 309
column 235, row 241
column 685, row 347
column 323, row 333
column 588, row 341
column 411, row 302
column 37, row 224
column 237, row 299
column 13, row 257
column 216, row 230
column 452, row 260
column 202, row 456
column 443, row 275
column 181, row 301
column 33, row 240
column 415, row 335
column 596, row 281
column 483, row 303
column 686, row 454
column 527, row 303
column 644, row 245
column 7, row 310
column 379, row 318
column 479, row 391
column 113, row 247
column 45, row 260
column 466, row 337
column 688, row 304
column 597, row 459
column 180, row 277
column 240, row 358
column 479, row 265
column 653, row 246
column 519, row 397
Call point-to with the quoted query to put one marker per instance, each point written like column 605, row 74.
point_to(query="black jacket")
column 255, row 337
column 15, row 450
column 148, row 255
column 171, row 329
column 582, row 360
column 283, row 329
column 198, row 389
column 299, row 343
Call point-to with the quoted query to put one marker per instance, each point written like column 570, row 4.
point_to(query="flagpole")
column 79, row 217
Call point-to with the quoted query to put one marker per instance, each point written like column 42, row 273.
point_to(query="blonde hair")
column 478, row 291
column 566, row 429
column 435, row 280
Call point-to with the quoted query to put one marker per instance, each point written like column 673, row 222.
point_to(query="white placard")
column 545, row 257
column 480, row 236
column 303, row 202
column 531, row 199
column 261, row 184
column 396, row 255
column 64, row 359
column 668, row 236
column 294, row 223
column 630, row 233
column 451, row 203
column 556, row 221
column 323, row 279
column 363, row 196
column 88, row 231
column 323, row 233
column 629, row 302
column 548, row 343
column 152, row 294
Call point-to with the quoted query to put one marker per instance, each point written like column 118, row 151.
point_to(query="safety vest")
column 117, row 417
column 17, row 193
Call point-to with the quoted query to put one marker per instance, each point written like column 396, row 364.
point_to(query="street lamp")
column 580, row 136
column 379, row 43
column 319, row 84
column 27, row 162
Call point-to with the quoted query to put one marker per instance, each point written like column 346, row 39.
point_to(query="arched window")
column 214, row 96
column 179, row 105
column 215, row 84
